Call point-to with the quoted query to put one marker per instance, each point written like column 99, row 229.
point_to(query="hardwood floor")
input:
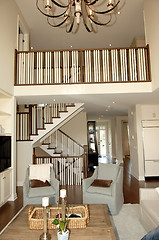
column 10, row 209
column 74, row 194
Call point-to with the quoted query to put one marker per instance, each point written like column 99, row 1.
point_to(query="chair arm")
column 54, row 182
column 26, row 184
column 148, row 194
column 117, row 185
column 87, row 181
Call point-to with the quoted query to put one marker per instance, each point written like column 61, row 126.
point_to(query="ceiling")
column 128, row 25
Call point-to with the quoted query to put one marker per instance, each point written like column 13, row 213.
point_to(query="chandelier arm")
column 98, row 23
column 71, row 27
column 58, row 25
column 107, row 11
column 59, row 5
column 87, row 28
column 92, row 3
column 47, row 15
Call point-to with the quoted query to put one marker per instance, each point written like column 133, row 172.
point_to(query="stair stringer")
column 57, row 123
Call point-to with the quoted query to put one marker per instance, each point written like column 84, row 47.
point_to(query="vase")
column 63, row 236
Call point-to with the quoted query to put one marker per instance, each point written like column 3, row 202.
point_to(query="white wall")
column 24, row 158
column 133, row 142
column 113, row 136
column 9, row 14
column 151, row 20
column 136, row 115
column 138, row 41
column 77, row 128
column 8, row 43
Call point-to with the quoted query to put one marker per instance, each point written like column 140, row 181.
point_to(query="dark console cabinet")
column 92, row 144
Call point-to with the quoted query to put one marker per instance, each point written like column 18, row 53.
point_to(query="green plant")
column 61, row 223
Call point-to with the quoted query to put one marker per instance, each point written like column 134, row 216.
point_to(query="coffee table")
column 99, row 227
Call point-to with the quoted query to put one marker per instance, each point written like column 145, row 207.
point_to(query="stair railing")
column 67, row 145
column 82, row 66
column 68, row 169
column 32, row 118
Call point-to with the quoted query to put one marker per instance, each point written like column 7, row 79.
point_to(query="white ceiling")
column 42, row 36
column 128, row 25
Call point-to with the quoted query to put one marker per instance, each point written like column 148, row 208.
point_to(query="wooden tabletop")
column 99, row 227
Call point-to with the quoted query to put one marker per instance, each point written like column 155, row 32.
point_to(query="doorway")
column 22, row 36
column 125, row 139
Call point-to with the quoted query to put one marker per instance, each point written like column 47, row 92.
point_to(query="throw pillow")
column 38, row 183
column 101, row 183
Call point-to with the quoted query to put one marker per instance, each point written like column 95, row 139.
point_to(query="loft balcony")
column 92, row 66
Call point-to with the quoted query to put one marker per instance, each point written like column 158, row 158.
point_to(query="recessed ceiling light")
column 106, row 110
column 119, row 12
column 32, row 48
column 109, row 106
column 114, row 102
column 71, row 46
column 110, row 45
column 54, row 100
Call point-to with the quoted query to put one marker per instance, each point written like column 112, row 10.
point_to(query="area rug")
column 127, row 225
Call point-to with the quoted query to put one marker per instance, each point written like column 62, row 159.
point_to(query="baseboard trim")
column 19, row 184
column 141, row 178
column 13, row 197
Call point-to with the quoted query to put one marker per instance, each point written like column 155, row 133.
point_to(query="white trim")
column 13, row 197
column 141, row 178
column 11, row 220
column 20, row 183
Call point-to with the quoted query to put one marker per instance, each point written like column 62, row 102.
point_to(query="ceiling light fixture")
column 59, row 12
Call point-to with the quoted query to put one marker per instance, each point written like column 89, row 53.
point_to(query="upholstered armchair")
column 34, row 194
column 112, row 195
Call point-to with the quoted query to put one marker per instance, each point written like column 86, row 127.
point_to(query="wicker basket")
column 35, row 217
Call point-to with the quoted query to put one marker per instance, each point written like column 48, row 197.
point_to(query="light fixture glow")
column 71, row 13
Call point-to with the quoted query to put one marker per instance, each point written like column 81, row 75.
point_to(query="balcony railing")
column 82, row 66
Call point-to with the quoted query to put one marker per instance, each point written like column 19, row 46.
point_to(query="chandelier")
column 71, row 12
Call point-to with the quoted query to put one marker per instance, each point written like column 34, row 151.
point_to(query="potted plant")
column 62, row 233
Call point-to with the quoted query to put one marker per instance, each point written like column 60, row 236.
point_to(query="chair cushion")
column 41, row 192
column 100, row 190
column 37, row 183
column 108, row 171
column 152, row 208
column 101, row 183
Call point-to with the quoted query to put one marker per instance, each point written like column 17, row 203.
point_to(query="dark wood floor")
column 130, row 188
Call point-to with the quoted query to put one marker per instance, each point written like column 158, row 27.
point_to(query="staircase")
column 60, row 144
column 40, row 124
